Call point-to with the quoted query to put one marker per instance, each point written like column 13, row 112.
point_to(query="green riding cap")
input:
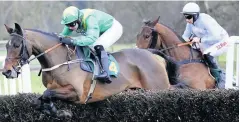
column 71, row 14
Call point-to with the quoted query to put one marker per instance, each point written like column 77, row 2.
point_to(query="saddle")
column 91, row 62
column 191, row 60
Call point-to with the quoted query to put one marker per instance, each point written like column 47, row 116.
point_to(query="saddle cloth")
column 90, row 59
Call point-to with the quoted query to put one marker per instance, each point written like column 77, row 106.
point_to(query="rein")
column 177, row 45
column 153, row 42
column 24, row 46
column 46, row 51
column 154, row 38
column 24, row 56
column 28, row 60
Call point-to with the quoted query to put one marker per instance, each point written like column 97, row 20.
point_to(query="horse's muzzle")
column 10, row 73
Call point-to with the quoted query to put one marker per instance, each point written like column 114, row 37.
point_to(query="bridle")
column 24, row 55
column 154, row 37
column 153, row 43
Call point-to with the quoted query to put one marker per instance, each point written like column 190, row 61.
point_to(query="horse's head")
column 148, row 36
column 18, row 52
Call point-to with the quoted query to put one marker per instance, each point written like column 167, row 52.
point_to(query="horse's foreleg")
column 64, row 93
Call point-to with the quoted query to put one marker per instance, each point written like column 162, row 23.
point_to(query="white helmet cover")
column 191, row 8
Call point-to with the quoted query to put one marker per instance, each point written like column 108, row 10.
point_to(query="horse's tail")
column 172, row 66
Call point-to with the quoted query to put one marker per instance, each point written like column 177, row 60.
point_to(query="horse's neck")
column 41, row 43
column 169, row 39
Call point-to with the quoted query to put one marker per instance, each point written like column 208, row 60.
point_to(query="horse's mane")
column 45, row 33
column 179, row 37
column 172, row 66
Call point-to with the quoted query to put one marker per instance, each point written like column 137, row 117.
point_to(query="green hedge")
column 140, row 106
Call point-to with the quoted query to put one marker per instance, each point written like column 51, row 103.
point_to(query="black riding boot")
column 216, row 71
column 102, row 54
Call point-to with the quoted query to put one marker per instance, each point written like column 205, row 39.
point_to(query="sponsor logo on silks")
column 113, row 67
column 221, row 45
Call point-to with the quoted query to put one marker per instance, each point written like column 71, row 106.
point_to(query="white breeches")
column 110, row 36
column 219, row 48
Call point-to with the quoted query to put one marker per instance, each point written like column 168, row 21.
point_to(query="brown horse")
column 193, row 71
column 139, row 68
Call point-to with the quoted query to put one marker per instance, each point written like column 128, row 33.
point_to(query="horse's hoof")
column 64, row 114
column 47, row 112
column 50, row 109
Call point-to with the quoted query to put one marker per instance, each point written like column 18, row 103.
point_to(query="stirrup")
column 103, row 77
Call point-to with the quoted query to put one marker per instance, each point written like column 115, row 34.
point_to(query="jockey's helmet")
column 191, row 9
column 70, row 14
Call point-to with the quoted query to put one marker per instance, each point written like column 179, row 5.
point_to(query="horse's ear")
column 18, row 29
column 155, row 21
column 146, row 21
column 9, row 30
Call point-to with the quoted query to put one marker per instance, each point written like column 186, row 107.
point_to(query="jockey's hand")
column 196, row 39
column 66, row 40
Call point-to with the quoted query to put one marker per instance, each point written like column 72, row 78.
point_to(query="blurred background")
column 46, row 16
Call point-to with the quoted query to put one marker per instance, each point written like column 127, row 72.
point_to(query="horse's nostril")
column 6, row 73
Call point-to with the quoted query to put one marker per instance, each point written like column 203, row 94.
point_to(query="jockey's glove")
column 66, row 40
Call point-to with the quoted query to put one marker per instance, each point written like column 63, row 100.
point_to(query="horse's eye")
column 16, row 45
column 147, row 36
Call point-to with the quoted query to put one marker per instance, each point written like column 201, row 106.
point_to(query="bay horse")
column 139, row 68
column 193, row 71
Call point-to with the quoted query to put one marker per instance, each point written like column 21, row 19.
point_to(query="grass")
column 36, row 81
column 37, row 85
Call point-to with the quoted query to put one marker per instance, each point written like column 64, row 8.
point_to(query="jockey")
column 210, row 36
column 95, row 29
